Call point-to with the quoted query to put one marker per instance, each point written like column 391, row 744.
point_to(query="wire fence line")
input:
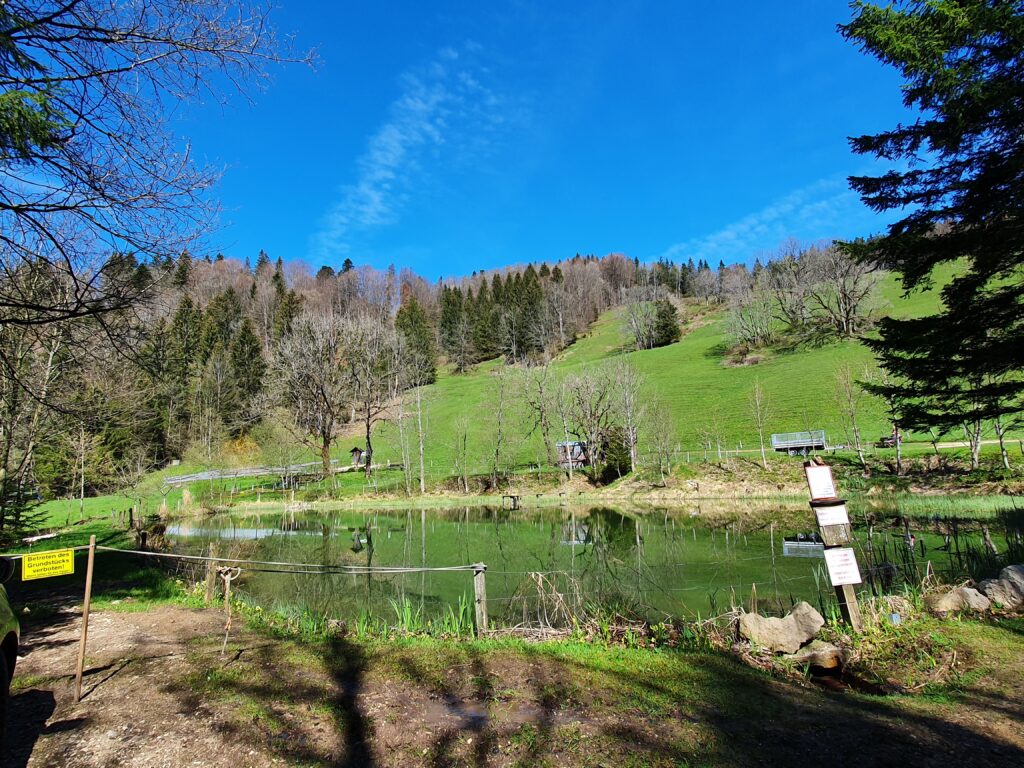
column 312, row 568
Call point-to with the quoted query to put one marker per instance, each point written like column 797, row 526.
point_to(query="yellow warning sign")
column 56, row 562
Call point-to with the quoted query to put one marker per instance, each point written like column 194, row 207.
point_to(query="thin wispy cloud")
column 822, row 209
column 443, row 113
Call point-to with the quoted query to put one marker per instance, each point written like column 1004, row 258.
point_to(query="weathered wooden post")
column 836, row 535
column 85, row 619
column 480, row 597
column 211, row 574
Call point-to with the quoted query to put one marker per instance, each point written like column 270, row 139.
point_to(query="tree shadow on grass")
column 460, row 705
column 754, row 719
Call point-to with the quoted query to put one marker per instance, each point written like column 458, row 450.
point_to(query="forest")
column 215, row 351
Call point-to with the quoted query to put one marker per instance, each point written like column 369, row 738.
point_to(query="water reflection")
column 543, row 565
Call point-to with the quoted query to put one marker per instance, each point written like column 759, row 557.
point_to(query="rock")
column 961, row 599
column 819, row 654
column 808, row 620
column 1005, row 591
column 1015, row 575
column 974, row 600
column 784, row 635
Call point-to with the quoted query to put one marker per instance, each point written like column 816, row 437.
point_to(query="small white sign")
column 832, row 515
column 819, row 480
column 842, row 566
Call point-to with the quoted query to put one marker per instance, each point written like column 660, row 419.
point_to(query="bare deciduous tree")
column 787, row 279
column 371, row 361
column 627, row 383
column 460, row 447
column 850, row 398
column 641, row 315
column 663, row 440
column 96, row 168
column 591, row 410
column 312, row 386
column 760, row 412
column 842, row 288
column 539, row 393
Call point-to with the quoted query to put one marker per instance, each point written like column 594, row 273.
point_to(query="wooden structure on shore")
column 572, row 454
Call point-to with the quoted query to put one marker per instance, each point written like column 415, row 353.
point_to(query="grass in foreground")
column 423, row 701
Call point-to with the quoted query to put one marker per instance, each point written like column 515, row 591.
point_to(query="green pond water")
column 541, row 563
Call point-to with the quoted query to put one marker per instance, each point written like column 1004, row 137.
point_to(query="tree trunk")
column 325, row 455
column 419, row 430
column 899, row 450
column 81, row 477
column 974, row 438
column 403, row 444
column 858, row 444
column 369, row 444
column 1001, row 434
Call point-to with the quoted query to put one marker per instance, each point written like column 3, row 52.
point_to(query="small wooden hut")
column 572, row 454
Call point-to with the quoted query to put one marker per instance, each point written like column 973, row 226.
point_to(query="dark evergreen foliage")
column 963, row 63
column 666, row 323
column 418, row 335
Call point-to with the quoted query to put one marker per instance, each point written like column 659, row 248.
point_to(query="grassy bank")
column 591, row 704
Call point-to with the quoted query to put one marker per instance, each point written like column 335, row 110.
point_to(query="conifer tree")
column 421, row 349
column 262, row 262
column 666, row 323
column 963, row 66
column 247, row 370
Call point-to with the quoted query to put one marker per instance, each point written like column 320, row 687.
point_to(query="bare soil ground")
column 128, row 716
column 158, row 692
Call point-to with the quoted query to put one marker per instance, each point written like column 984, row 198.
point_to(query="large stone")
column 1008, row 590
column 784, row 635
column 960, row 599
column 819, row 653
column 974, row 600
column 1015, row 575
column 1002, row 593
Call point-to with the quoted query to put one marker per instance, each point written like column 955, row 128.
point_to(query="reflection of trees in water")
column 611, row 564
column 604, row 561
column 598, row 553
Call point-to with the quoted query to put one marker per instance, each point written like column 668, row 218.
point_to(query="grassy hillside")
column 692, row 380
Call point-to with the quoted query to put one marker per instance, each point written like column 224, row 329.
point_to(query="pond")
column 547, row 563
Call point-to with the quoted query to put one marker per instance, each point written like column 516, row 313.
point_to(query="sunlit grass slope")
column 691, row 381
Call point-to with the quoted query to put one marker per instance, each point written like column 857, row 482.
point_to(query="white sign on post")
column 819, row 480
column 834, row 514
column 842, row 566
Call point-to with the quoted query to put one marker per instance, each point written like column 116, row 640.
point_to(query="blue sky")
column 449, row 137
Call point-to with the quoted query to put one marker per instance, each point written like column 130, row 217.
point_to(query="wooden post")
column 849, row 607
column 835, row 531
column 85, row 619
column 480, row 597
column 211, row 575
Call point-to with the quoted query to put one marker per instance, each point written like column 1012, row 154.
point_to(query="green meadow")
column 692, row 381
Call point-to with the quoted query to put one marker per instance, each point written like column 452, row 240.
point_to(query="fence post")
column 480, row 597
column 85, row 619
column 211, row 574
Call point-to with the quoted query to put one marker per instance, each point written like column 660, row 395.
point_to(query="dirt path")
column 127, row 716
column 158, row 692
